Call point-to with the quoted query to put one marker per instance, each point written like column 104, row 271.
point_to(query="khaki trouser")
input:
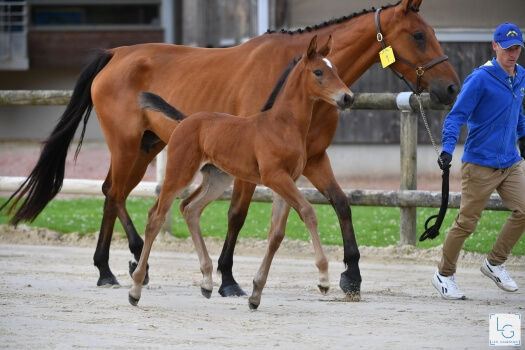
column 478, row 183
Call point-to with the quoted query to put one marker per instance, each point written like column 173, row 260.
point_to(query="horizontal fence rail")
column 377, row 101
column 407, row 199
column 375, row 198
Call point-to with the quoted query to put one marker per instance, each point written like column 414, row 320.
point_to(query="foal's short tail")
column 45, row 180
column 149, row 100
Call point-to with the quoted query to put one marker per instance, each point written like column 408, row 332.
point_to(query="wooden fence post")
column 408, row 145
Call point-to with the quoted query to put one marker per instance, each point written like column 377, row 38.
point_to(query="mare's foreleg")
column 241, row 197
column 214, row 182
column 320, row 174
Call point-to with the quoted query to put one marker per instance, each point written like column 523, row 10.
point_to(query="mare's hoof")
column 351, row 288
column 232, row 290
column 108, row 282
column 133, row 301
column 206, row 293
column 252, row 306
column 323, row 290
column 133, row 267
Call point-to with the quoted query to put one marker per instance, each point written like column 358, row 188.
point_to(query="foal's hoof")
column 232, row 290
column 323, row 290
column 133, row 266
column 252, row 305
column 133, row 301
column 206, row 293
column 108, row 281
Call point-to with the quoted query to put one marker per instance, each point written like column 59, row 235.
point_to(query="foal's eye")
column 318, row 72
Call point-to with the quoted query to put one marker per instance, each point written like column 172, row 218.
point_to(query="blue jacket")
column 492, row 107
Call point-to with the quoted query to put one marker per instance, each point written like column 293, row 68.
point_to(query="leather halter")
column 419, row 70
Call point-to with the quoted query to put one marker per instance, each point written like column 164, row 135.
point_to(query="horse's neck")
column 355, row 45
column 294, row 102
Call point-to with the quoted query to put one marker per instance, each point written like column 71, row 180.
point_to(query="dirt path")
column 49, row 299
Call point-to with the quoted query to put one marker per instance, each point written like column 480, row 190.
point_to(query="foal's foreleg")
column 214, row 182
column 289, row 192
column 280, row 211
column 320, row 174
column 156, row 217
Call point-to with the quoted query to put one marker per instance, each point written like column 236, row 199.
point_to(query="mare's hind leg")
column 136, row 175
column 126, row 170
column 241, row 197
column 320, row 174
column 214, row 182
column 289, row 192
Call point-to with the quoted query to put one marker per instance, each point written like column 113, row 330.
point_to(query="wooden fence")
column 408, row 198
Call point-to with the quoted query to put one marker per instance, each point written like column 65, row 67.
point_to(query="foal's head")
column 322, row 79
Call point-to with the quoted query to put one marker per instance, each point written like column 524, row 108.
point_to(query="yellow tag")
column 387, row 56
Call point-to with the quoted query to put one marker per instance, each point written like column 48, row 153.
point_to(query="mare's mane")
column 334, row 21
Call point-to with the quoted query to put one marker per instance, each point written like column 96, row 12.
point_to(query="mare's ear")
column 312, row 48
column 327, row 48
column 407, row 4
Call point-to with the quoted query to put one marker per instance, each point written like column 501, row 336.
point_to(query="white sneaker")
column 499, row 275
column 447, row 287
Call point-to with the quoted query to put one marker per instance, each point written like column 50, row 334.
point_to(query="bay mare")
column 267, row 148
column 237, row 81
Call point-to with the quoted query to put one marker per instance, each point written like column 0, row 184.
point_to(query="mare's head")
column 419, row 56
column 321, row 76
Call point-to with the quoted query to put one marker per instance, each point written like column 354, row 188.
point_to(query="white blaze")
column 328, row 63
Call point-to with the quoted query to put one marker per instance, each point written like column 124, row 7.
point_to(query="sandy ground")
column 49, row 299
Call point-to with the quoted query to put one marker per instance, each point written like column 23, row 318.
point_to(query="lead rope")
column 433, row 231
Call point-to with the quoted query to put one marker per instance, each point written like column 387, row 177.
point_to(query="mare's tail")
column 149, row 100
column 45, row 180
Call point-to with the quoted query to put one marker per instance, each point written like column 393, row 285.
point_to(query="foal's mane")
column 334, row 21
column 279, row 85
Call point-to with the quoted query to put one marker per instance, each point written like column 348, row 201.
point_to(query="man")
column 491, row 104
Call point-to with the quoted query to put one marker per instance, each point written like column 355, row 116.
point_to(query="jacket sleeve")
column 461, row 111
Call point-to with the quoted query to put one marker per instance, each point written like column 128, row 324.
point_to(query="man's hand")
column 445, row 158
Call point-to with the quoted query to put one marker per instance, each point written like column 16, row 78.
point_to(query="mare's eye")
column 318, row 72
column 418, row 36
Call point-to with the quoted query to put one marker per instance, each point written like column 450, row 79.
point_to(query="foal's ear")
column 325, row 50
column 312, row 48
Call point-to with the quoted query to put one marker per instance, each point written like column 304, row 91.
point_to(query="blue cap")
column 507, row 35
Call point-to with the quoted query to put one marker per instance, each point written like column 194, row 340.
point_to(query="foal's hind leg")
column 214, row 182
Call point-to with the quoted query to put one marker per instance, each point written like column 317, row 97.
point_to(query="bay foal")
column 267, row 148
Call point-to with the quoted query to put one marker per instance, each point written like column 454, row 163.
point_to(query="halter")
column 419, row 70
column 432, row 231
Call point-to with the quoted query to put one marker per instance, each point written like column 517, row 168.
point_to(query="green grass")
column 374, row 226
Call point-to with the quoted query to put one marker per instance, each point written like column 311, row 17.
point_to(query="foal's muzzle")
column 345, row 102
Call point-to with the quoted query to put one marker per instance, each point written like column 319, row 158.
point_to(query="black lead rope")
column 433, row 231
